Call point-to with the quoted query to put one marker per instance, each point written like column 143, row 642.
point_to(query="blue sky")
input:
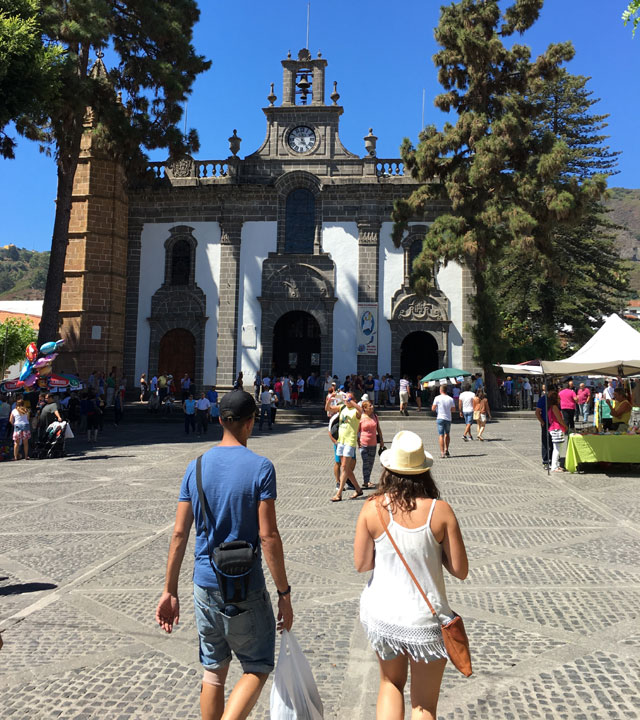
column 380, row 54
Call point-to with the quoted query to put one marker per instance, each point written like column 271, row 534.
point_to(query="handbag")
column 454, row 635
column 557, row 436
column 231, row 562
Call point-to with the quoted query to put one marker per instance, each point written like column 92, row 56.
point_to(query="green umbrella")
column 445, row 373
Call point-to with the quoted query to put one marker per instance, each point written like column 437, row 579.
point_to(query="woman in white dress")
column 399, row 624
column 286, row 391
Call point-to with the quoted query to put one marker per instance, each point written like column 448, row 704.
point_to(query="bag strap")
column 203, row 510
column 385, row 525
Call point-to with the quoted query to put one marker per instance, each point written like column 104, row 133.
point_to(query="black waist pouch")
column 232, row 563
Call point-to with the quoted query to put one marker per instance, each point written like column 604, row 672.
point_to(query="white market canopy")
column 521, row 369
column 613, row 350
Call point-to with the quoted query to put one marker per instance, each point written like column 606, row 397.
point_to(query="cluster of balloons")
column 36, row 367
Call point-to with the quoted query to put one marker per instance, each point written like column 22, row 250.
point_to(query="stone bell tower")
column 93, row 295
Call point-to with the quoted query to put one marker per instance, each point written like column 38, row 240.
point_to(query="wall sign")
column 367, row 335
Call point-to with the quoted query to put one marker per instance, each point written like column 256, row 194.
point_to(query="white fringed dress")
column 392, row 611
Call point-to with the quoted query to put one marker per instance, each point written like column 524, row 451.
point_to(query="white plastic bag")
column 294, row 694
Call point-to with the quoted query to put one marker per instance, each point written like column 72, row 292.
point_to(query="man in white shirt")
column 443, row 405
column 203, row 407
column 265, row 405
column 376, row 390
column 465, row 405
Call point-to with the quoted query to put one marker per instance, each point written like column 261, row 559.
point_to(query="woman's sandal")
column 336, row 498
column 355, row 496
column 366, row 486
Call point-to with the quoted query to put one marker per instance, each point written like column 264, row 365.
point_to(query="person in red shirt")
column 568, row 400
column 584, row 398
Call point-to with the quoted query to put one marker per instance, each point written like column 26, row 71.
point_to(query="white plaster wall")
column 340, row 240
column 258, row 240
column 449, row 280
column 152, row 258
column 391, row 269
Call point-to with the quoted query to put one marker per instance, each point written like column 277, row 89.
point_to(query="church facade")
column 280, row 262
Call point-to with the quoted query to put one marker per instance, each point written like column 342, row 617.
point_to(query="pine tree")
column 505, row 182
column 30, row 70
column 586, row 277
column 136, row 106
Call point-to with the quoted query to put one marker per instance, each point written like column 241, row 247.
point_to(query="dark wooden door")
column 177, row 354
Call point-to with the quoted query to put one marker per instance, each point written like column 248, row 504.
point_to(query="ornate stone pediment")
column 178, row 300
column 296, row 280
column 409, row 307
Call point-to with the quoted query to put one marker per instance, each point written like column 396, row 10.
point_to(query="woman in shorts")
column 399, row 624
column 19, row 418
column 481, row 411
column 368, row 441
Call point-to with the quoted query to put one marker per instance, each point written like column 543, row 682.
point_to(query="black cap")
column 237, row 405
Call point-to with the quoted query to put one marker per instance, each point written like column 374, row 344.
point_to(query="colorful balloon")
column 26, row 370
column 31, row 352
column 31, row 380
column 48, row 348
column 44, row 361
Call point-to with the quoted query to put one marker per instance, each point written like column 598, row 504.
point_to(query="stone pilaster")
column 231, row 231
column 368, row 253
column 468, row 291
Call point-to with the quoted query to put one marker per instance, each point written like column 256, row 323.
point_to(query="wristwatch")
column 285, row 592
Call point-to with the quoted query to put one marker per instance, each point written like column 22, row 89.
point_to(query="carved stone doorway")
column 296, row 344
column 418, row 354
column 177, row 354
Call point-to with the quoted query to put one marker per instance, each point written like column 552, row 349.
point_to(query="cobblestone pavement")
column 551, row 602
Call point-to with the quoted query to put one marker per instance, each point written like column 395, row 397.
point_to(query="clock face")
column 301, row 139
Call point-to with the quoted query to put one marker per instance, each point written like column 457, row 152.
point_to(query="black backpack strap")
column 203, row 510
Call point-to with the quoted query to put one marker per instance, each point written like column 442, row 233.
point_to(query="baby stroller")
column 51, row 445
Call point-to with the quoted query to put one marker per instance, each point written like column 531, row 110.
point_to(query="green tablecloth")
column 601, row 448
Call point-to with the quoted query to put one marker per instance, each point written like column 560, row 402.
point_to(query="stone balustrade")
column 389, row 168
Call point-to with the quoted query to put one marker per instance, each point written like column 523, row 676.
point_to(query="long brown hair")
column 20, row 407
column 552, row 398
column 403, row 490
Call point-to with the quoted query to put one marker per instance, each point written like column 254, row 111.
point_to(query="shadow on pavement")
column 30, row 587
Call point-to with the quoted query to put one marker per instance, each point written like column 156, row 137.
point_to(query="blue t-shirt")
column 212, row 397
column 542, row 406
column 234, row 481
column 190, row 407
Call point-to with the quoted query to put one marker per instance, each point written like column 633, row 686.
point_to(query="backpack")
column 334, row 425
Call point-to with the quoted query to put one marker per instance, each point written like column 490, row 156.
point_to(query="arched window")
column 300, row 222
column 414, row 250
column 180, row 263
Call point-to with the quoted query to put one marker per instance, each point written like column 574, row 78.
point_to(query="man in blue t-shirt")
column 240, row 491
column 543, row 419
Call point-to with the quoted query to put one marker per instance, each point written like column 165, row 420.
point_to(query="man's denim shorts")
column 345, row 450
column 444, row 426
column 468, row 418
column 251, row 634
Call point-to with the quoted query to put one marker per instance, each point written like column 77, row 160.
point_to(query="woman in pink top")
column 557, row 429
column 368, row 441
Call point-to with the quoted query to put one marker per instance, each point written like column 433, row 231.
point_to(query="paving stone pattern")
column 551, row 602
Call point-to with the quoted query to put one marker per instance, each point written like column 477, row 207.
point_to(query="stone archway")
column 297, row 344
column 177, row 353
column 418, row 354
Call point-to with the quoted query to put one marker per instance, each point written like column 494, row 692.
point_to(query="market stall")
column 614, row 351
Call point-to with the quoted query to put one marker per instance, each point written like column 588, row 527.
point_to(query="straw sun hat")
column 407, row 455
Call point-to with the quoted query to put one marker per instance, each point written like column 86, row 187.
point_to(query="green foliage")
column 134, row 107
column 30, row 68
column 23, row 273
column 632, row 15
column 506, row 178
column 581, row 276
column 15, row 335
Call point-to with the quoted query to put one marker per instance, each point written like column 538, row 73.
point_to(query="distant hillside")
column 23, row 273
column 625, row 210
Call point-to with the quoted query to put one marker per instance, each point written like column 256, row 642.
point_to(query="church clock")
column 301, row 139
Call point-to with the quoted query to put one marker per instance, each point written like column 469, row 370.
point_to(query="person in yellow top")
column 349, row 423
column 620, row 410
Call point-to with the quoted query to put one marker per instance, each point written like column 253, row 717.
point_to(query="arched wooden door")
column 177, row 354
